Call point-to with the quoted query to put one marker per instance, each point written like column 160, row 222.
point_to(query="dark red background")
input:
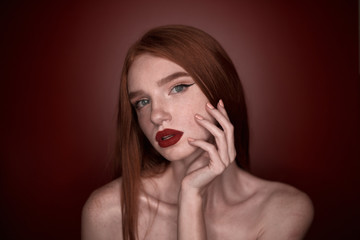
column 60, row 68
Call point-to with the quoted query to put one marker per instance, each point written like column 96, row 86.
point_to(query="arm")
column 191, row 223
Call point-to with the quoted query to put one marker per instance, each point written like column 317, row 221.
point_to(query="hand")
column 220, row 156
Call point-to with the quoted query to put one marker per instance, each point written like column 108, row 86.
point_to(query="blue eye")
column 141, row 103
column 180, row 88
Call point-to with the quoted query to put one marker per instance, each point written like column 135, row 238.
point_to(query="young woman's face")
column 166, row 100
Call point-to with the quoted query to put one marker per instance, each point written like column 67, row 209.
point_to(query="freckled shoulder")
column 101, row 214
column 288, row 213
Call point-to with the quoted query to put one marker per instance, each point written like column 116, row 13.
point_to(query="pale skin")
column 202, row 194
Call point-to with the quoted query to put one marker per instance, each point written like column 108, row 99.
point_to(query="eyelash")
column 184, row 87
column 137, row 103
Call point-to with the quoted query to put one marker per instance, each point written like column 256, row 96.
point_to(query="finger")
column 219, row 136
column 215, row 165
column 221, row 117
column 230, row 137
column 221, row 108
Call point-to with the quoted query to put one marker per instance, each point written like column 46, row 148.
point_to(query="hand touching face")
column 220, row 154
column 178, row 119
column 166, row 100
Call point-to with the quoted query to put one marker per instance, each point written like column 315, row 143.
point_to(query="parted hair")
column 208, row 64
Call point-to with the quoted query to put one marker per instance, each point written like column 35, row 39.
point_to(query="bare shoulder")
column 288, row 212
column 101, row 214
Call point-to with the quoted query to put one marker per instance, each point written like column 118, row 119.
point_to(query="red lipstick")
column 168, row 137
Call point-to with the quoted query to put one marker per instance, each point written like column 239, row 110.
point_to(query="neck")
column 166, row 186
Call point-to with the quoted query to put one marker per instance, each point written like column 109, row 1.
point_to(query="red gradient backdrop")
column 61, row 64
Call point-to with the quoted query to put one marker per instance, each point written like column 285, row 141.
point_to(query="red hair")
column 213, row 71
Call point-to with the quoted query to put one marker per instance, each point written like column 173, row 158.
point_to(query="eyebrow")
column 161, row 82
column 171, row 77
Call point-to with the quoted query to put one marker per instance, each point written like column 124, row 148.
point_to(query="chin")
column 177, row 153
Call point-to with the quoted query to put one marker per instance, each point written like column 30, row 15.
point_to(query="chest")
column 233, row 224
column 220, row 224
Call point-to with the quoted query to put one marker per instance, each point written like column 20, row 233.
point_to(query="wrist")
column 189, row 194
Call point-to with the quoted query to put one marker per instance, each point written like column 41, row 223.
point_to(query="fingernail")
column 191, row 139
column 221, row 103
column 210, row 106
column 199, row 117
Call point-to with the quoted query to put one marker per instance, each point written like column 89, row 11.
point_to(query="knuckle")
column 212, row 148
column 233, row 150
column 220, row 134
column 221, row 167
column 230, row 127
column 233, row 154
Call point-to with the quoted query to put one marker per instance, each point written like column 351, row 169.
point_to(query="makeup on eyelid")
column 168, row 99
column 183, row 88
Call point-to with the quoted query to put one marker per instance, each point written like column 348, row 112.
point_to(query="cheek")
column 194, row 127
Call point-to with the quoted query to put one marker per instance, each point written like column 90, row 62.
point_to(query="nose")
column 159, row 114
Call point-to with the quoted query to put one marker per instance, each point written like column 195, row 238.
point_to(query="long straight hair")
column 213, row 71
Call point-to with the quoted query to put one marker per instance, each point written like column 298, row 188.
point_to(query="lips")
column 168, row 137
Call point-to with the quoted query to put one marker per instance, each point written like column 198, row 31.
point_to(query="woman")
column 182, row 152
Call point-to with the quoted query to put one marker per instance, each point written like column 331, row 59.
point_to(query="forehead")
column 147, row 69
